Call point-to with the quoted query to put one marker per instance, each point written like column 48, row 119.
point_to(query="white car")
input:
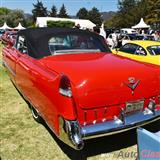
column 128, row 31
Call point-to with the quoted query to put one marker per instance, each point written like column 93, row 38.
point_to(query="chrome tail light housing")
column 65, row 86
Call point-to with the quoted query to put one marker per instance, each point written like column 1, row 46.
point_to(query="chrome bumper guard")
column 74, row 135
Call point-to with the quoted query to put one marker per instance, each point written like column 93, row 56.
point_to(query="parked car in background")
column 144, row 51
column 108, row 31
column 9, row 36
column 73, row 82
column 2, row 31
column 120, row 38
column 144, row 37
column 128, row 31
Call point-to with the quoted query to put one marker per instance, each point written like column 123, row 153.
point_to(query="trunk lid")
column 101, row 79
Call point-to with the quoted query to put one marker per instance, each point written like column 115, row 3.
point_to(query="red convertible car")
column 71, row 80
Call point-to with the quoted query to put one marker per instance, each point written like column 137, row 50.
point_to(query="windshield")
column 154, row 50
column 67, row 44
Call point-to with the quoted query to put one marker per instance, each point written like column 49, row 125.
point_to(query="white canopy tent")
column 5, row 26
column 84, row 23
column 140, row 25
column 19, row 27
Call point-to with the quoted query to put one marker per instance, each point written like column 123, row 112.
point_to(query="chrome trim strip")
column 71, row 133
column 112, row 127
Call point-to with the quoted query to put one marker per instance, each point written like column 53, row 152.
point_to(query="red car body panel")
column 90, row 91
column 98, row 83
column 32, row 79
column 94, row 92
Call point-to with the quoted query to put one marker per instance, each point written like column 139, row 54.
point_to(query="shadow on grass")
column 102, row 145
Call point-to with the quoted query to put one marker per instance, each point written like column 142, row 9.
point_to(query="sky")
column 72, row 6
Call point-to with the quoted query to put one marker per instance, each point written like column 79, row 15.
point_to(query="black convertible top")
column 37, row 39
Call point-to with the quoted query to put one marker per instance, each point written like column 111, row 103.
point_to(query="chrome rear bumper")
column 74, row 135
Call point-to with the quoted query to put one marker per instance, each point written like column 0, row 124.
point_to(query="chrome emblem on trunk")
column 132, row 83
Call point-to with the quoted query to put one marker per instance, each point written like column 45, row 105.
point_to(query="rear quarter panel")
column 41, row 87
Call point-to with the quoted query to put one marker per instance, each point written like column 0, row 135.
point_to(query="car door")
column 22, row 66
column 34, row 82
column 10, row 57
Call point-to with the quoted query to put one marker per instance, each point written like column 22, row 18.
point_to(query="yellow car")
column 141, row 50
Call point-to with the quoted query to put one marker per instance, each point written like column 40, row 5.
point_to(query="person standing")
column 96, row 30
column 115, row 40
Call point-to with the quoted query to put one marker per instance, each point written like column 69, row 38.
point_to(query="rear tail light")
column 65, row 86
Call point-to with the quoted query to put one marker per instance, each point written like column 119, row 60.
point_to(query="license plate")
column 134, row 106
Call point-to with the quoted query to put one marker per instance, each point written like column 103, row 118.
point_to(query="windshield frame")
column 100, row 45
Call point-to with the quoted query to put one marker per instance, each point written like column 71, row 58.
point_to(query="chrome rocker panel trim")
column 74, row 135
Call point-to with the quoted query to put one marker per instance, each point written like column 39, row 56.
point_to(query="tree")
column 11, row 17
column 95, row 16
column 4, row 11
column 127, row 13
column 141, row 9
column 14, row 17
column 153, row 16
column 3, row 15
column 63, row 12
column 82, row 13
column 130, row 12
column 53, row 12
column 39, row 10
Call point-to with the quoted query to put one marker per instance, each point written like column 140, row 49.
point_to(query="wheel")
column 36, row 115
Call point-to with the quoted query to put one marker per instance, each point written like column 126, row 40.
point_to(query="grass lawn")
column 21, row 138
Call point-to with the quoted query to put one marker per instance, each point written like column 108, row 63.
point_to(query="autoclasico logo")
column 123, row 154
column 120, row 155
column 144, row 154
column 150, row 154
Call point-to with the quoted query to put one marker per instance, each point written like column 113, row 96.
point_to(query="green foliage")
column 63, row 12
column 12, row 17
column 53, row 12
column 130, row 12
column 153, row 16
column 95, row 16
column 4, row 11
column 66, row 24
column 39, row 10
column 126, row 13
column 82, row 13
column 3, row 15
column 15, row 17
